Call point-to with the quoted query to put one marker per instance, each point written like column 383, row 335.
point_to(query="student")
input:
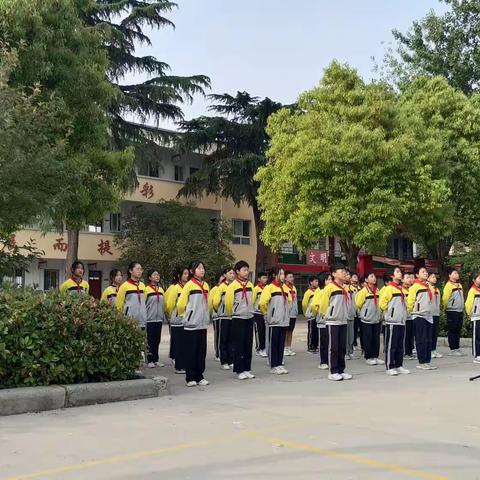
column 324, row 279
column 420, row 304
column 453, row 302
column 224, row 321
column 366, row 302
column 432, row 281
column 334, row 306
column 275, row 305
column 472, row 307
column 292, row 292
column 193, row 307
column 258, row 318
column 215, row 320
column 312, row 336
column 352, row 310
column 239, row 305
column 408, row 279
column 355, row 283
column 110, row 293
column 392, row 303
column 131, row 295
column 154, row 304
column 180, row 278
column 76, row 285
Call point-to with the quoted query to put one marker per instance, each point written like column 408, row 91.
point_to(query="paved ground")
column 301, row 426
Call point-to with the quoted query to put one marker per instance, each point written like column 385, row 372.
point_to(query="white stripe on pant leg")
column 269, row 347
column 329, row 348
column 474, row 338
column 389, row 349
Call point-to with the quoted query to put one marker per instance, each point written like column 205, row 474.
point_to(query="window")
column 50, row 279
column 115, row 222
column 241, row 232
column 178, row 173
column 193, row 170
column 97, row 228
column 19, row 277
column 149, row 169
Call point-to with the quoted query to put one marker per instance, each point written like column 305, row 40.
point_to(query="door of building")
column 95, row 282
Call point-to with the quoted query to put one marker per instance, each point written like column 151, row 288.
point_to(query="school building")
column 157, row 181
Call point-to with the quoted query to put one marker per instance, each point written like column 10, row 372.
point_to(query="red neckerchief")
column 292, row 291
column 374, row 291
column 181, row 284
column 424, row 284
column 260, row 286
column 244, row 289
column 155, row 289
column 78, row 284
column 204, row 292
column 137, row 284
column 345, row 293
column 280, row 286
column 312, row 289
column 475, row 287
column 399, row 288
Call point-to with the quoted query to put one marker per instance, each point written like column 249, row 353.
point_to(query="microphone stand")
column 474, row 378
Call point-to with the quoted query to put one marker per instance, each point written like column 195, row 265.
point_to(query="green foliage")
column 53, row 339
column 13, row 255
column 171, row 235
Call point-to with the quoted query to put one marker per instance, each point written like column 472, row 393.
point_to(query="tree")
column 166, row 236
column 446, row 45
column 234, row 145
column 337, row 168
column 445, row 126
column 65, row 56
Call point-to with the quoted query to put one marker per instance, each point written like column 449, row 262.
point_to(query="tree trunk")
column 72, row 249
column 351, row 252
column 442, row 250
column 265, row 258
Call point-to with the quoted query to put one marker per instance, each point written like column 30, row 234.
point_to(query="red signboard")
column 317, row 258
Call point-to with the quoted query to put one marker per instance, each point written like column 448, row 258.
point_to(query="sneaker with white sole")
column 203, row 382
column 371, row 361
column 158, row 364
column 436, row 354
column 432, row 367
column 423, row 366
column 348, row 356
column 346, row 376
column 403, row 371
column 286, row 352
column 414, row 351
column 249, row 374
column 226, row 367
column 380, row 361
column 408, row 357
column 460, row 353
column 336, row 377
column 292, row 353
column 191, row 384
column 276, row 371
column 242, row 376
column 217, row 359
column 323, row 366
column 392, row 372
column 455, row 353
column 151, row 365
column 476, row 360
column 283, row 370
column 231, row 365
column 263, row 353
column 180, row 372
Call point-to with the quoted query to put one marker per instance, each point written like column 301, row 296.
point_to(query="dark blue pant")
column 154, row 333
column 323, row 345
column 176, row 347
column 409, row 337
column 195, row 349
column 371, row 340
column 312, row 337
column 394, row 338
column 423, row 339
column 436, row 324
column 276, row 345
column 337, row 347
column 242, row 334
column 259, row 331
column 226, row 341
column 476, row 339
column 454, row 327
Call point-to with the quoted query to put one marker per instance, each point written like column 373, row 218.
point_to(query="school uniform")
column 393, row 305
column 292, row 292
column 322, row 327
column 352, row 311
column 216, row 337
column 275, row 305
column 472, row 307
column 176, row 325
column 154, row 304
column 420, row 304
column 366, row 301
column 409, row 328
column 224, row 324
column 312, row 336
column 73, row 287
column 239, row 305
column 436, row 316
column 193, row 307
column 109, row 295
column 259, row 321
column 454, row 304
column 334, row 306
column 131, row 301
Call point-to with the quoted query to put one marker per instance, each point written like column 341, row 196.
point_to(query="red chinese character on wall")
column 104, row 247
column 60, row 244
column 317, row 257
column 147, row 190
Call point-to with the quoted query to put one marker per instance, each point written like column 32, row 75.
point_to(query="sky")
column 277, row 48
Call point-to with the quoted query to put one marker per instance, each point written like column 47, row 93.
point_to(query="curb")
column 14, row 401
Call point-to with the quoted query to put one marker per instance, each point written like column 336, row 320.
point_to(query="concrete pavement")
column 424, row 425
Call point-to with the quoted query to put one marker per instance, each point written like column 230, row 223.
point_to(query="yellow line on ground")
column 344, row 456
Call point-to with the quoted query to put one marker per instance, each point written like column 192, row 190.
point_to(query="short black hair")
column 193, row 266
column 387, row 277
column 240, row 264
column 416, row 269
column 76, row 264
column 288, row 272
column 177, row 274
column 312, row 278
column 322, row 278
column 451, row 269
column 336, row 267
column 262, row 274
column 151, row 272
column 226, row 270
column 273, row 272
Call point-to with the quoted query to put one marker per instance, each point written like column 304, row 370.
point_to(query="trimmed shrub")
column 60, row 339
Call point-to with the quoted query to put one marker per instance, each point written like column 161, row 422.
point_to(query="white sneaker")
column 226, row 367
column 203, row 382
column 403, row 371
column 336, row 377
column 476, row 360
column 217, row 359
column 151, row 365
column 180, row 372
column 436, row 354
column 276, row 371
column 231, row 365
column 286, row 352
column 346, row 376
column 423, row 366
column 249, row 374
column 191, row 384
column 380, row 361
column 414, row 351
column 371, row 361
column 392, row 372
column 323, row 366
column 242, row 376
column 460, row 353
column 292, row 353
column 455, row 353
column 283, row 370
column 158, row 364
column 348, row 356
column 409, row 357
column 431, row 366
column 263, row 353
